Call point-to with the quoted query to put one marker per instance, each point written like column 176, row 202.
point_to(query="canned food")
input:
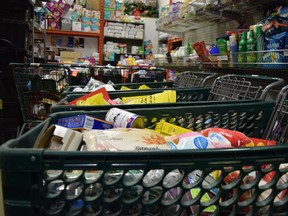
column 124, row 119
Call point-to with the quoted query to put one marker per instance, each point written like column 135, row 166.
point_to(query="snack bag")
column 227, row 137
column 124, row 139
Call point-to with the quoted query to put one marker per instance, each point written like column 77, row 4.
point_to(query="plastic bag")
column 124, row 139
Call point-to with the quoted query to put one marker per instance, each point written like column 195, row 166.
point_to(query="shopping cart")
column 278, row 123
column 185, row 79
column 38, row 86
column 47, row 182
column 231, row 87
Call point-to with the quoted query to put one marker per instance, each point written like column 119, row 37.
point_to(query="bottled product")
column 251, row 55
column 189, row 49
column 221, row 43
column 242, row 48
column 233, row 48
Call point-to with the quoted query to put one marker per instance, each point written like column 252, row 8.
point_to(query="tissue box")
column 66, row 24
column 76, row 26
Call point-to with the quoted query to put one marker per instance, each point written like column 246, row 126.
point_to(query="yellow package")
column 124, row 88
column 97, row 99
column 170, row 129
column 132, row 98
column 142, row 87
column 167, row 96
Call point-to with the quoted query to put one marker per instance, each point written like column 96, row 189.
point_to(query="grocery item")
column 193, row 140
column 81, row 122
column 242, row 48
column 100, row 99
column 222, row 45
column 227, row 137
column 167, row 96
column 166, row 128
column 124, row 139
column 124, row 119
column 251, row 55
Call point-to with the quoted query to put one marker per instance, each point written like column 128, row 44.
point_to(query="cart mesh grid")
column 193, row 78
column 241, row 87
column 38, row 86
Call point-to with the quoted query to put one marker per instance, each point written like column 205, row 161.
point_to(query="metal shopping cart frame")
column 35, row 83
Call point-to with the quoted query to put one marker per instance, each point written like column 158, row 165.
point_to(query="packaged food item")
column 262, row 142
column 170, row 129
column 124, row 119
column 90, row 95
column 227, row 137
column 167, row 96
column 192, row 140
column 94, row 100
column 124, row 139
column 81, row 122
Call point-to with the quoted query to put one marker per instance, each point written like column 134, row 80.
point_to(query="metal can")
column 124, row 119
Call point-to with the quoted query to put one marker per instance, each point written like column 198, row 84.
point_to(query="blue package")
column 274, row 43
column 84, row 122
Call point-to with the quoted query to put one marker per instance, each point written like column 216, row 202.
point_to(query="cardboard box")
column 58, row 138
column 93, row 5
column 66, row 24
column 84, row 122
column 67, row 56
column 71, row 139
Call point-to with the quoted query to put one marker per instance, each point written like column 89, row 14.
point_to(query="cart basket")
column 183, row 97
column 46, row 182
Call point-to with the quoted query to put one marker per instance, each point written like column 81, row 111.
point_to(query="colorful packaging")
column 227, row 137
column 192, row 140
column 99, row 91
column 168, row 96
column 274, row 42
column 124, row 119
column 84, row 122
column 170, row 129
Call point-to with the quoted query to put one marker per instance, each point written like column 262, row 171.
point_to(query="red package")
column 236, row 138
column 84, row 97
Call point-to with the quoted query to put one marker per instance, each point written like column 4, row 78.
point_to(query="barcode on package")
column 89, row 122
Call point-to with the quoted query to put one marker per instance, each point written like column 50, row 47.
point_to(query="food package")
column 193, row 140
column 167, row 96
column 98, row 97
column 124, row 139
column 227, row 137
